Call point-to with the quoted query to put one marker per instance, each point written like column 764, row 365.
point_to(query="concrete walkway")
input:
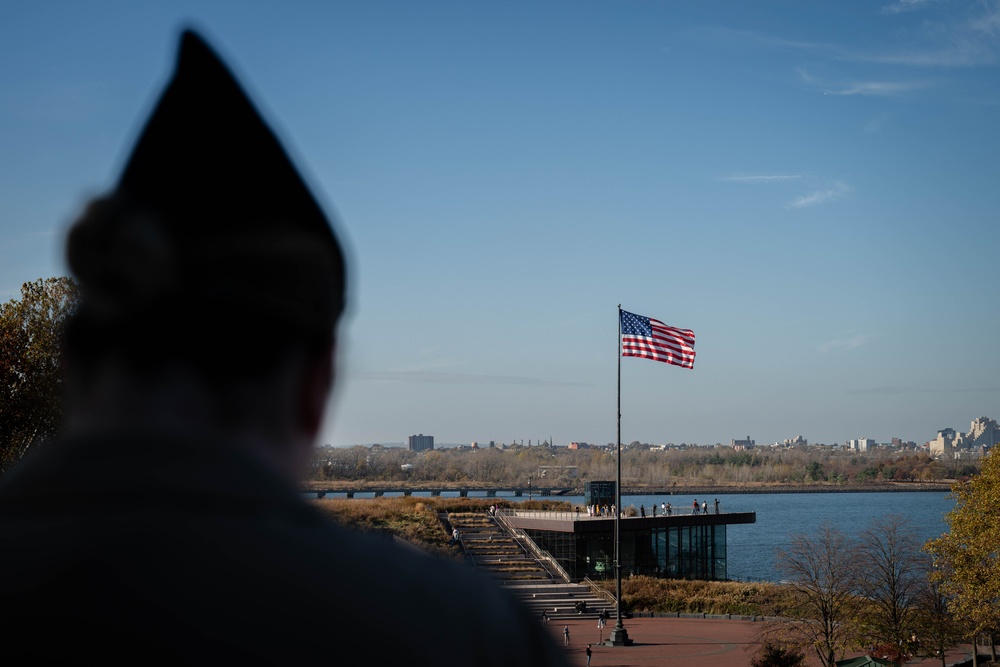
column 679, row 642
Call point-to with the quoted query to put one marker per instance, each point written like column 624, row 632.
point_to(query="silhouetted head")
column 211, row 255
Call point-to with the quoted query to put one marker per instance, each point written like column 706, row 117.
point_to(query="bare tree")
column 937, row 628
column 821, row 571
column 890, row 579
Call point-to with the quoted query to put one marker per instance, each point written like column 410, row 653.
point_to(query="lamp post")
column 619, row 635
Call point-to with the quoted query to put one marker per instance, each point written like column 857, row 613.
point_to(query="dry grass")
column 412, row 519
column 415, row 519
column 648, row 594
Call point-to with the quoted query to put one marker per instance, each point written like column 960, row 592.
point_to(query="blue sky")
column 812, row 187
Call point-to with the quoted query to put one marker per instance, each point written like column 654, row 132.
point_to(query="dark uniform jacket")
column 150, row 549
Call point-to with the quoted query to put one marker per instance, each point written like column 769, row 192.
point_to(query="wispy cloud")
column 875, row 88
column 962, row 52
column 850, row 343
column 836, row 191
column 432, row 377
column 988, row 24
column 966, row 36
column 867, row 88
column 901, row 6
column 767, row 178
column 966, row 40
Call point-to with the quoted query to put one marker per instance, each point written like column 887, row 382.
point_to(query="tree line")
column 641, row 466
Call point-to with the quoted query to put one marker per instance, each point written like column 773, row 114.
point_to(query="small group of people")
column 667, row 509
column 598, row 510
column 703, row 508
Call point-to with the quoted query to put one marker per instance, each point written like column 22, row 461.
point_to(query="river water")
column 751, row 547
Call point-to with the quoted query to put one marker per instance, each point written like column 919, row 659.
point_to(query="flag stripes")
column 647, row 338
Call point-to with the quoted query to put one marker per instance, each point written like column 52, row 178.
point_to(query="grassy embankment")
column 417, row 521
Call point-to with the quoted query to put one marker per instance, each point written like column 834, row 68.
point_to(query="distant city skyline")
column 973, row 423
column 809, row 187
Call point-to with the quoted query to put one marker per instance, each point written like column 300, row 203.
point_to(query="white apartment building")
column 983, row 434
column 861, row 445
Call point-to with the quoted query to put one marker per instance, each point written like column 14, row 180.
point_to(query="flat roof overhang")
column 568, row 522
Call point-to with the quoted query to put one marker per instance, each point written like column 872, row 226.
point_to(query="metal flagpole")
column 618, row 636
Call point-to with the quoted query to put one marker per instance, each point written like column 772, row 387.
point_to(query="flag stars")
column 652, row 339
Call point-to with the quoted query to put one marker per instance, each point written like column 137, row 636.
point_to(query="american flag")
column 652, row 339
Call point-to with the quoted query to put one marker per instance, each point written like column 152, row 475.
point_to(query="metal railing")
column 578, row 515
column 529, row 546
column 601, row 592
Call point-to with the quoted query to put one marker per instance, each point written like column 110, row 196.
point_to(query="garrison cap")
column 210, row 218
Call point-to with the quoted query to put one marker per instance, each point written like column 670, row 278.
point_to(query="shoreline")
column 688, row 490
column 630, row 490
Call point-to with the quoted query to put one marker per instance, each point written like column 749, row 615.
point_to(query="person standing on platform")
column 588, row 655
column 566, row 636
column 694, row 506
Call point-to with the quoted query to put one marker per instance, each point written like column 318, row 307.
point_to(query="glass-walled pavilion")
column 673, row 547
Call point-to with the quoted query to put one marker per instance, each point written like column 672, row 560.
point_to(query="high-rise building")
column 419, row 443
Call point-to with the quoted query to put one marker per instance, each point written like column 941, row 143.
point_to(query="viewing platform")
column 685, row 516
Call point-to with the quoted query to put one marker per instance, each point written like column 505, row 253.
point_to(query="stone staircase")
column 559, row 600
column 490, row 547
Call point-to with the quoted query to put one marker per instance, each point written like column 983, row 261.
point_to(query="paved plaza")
column 678, row 642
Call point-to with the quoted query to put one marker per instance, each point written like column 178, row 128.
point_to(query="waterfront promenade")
column 682, row 642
